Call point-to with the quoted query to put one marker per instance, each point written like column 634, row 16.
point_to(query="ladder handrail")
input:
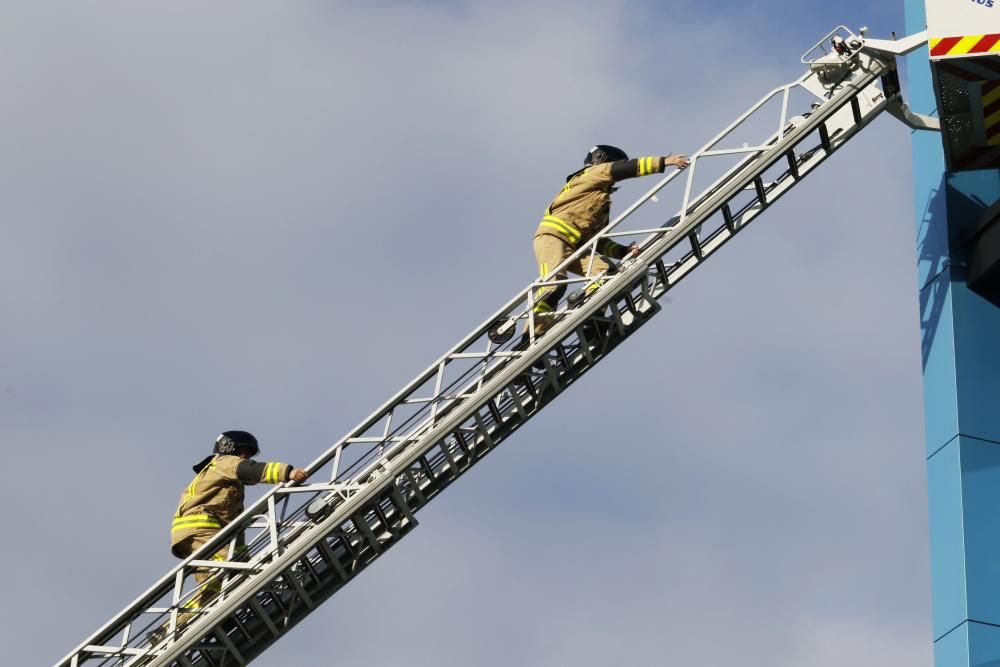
column 690, row 216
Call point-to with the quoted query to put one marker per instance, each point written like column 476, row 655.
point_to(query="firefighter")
column 581, row 210
column 213, row 499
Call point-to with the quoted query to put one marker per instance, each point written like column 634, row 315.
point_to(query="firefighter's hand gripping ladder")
column 305, row 542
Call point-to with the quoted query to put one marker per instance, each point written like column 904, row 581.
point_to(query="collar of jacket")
column 198, row 467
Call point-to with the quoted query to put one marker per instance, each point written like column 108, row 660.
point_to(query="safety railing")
column 466, row 398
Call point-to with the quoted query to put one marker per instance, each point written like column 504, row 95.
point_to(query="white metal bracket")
column 900, row 47
column 895, row 47
column 912, row 119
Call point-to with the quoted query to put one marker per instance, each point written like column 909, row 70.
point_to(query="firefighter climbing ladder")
column 307, row 541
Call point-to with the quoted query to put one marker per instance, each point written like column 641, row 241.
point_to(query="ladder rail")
column 777, row 152
column 660, row 247
column 392, row 450
column 590, row 247
column 707, row 150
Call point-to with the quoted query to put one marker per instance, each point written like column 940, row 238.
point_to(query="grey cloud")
column 271, row 217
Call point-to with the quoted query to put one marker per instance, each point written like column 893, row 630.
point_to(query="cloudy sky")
column 271, row 216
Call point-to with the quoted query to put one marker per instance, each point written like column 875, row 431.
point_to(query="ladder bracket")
column 913, row 120
column 895, row 47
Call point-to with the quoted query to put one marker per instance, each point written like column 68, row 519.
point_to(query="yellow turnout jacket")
column 215, row 496
column 583, row 206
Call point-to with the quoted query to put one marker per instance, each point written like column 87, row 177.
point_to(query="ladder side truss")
column 306, row 541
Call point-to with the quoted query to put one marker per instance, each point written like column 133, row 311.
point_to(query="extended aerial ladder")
column 307, row 541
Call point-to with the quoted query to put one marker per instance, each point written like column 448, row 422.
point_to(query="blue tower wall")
column 961, row 359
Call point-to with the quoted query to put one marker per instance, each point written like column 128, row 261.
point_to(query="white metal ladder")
column 307, row 541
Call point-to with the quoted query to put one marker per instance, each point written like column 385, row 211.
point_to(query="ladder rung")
column 824, row 137
column 758, row 185
column 224, row 638
column 793, row 166
column 262, row 615
column 727, row 216
column 696, row 245
column 290, row 578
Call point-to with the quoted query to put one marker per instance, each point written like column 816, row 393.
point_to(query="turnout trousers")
column 550, row 251
column 209, row 582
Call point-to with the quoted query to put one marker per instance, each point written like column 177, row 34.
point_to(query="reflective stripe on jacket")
column 583, row 206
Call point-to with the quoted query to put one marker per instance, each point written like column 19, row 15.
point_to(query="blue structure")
column 961, row 359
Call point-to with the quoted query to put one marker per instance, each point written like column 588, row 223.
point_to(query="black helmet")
column 603, row 153
column 230, row 442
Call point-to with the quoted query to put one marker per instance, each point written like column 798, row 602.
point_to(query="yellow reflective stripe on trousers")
column 571, row 232
column 196, row 521
column 543, row 307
